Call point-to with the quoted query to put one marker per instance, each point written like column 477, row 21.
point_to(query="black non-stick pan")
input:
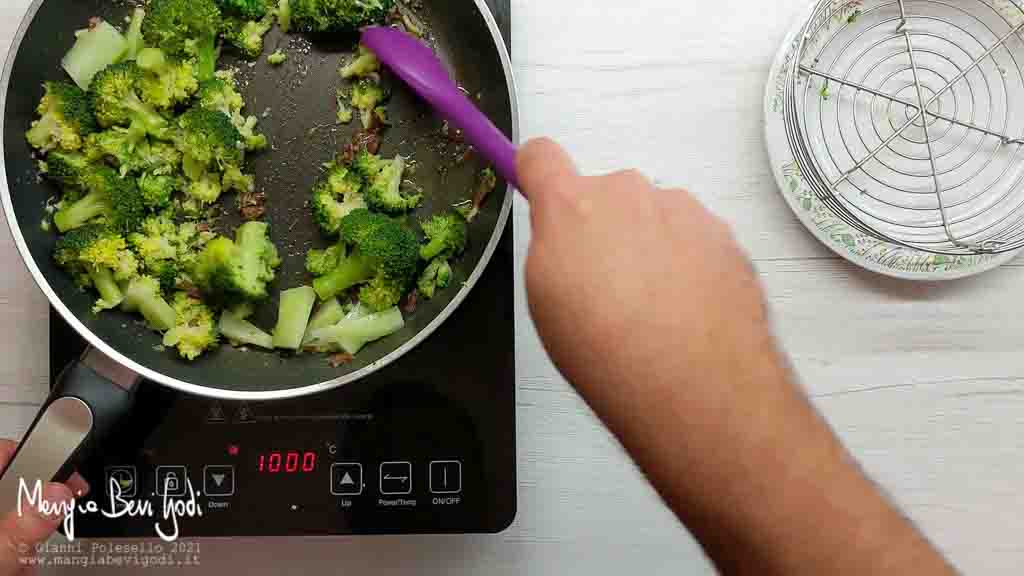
column 297, row 110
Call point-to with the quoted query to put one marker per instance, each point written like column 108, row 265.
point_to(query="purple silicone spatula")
column 416, row 64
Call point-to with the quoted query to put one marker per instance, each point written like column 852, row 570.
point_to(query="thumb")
column 19, row 533
column 545, row 171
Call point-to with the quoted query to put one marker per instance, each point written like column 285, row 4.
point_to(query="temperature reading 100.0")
column 286, row 462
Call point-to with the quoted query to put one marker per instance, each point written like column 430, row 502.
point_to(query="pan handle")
column 91, row 396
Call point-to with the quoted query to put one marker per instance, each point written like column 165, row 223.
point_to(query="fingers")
column 20, row 534
column 7, row 448
column 543, row 167
column 79, row 487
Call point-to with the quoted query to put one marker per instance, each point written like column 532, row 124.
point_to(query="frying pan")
column 297, row 110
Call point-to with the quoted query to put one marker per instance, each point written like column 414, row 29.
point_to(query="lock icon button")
column 171, row 480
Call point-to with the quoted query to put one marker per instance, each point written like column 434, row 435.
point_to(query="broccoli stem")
column 133, row 38
column 77, row 214
column 206, row 58
column 103, row 280
column 145, row 117
column 352, row 335
column 151, row 59
column 293, row 317
column 41, row 131
column 94, row 50
column 434, row 247
column 239, row 330
column 349, row 272
column 157, row 312
column 330, row 312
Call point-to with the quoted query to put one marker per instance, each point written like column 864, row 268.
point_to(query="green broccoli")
column 206, row 190
column 320, row 262
column 446, row 237
column 156, row 241
column 133, row 37
column 194, row 331
column 166, row 82
column 367, row 165
column 95, row 48
column 97, row 256
column 116, row 100
column 234, row 179
column 143, row 295
column 118, row 144
column 155, row 157
column 328, row 314
column 437, row 275
column 205, row 137
column 236, row 329
column 117, row 199
column 293, row 316
column 221, row 94
column 247, row 130
column 242, row 268
column 68, row 168
column 334, row 15
column 277, row 58
column 351, row 335
column 187, row 29
column 366, row 97
column 383, row 259
column 247, row 9
column 157, row 189
column 344, row 115
column 336, row 196
column 363, row 64
column 65, row 118
column 247, row 36
column 383, row 192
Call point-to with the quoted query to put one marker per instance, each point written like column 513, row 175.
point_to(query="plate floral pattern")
column 860, row 248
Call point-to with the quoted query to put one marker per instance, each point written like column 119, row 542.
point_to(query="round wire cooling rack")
column 907, row 120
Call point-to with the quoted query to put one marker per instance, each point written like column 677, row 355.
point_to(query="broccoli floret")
column 166, row 81
column 247, row 129
column 234, row 179
column 157, row 189
column 68, row 168
column 242, row 268
column 335, row 15
column 320, row 262
column 247, row 36
column 337, row 195
column 205, row 137
column 446, row 237
column 437, row 275
column 351, row 335
column 221, row 94
column 366, row 97
column 239, row 331
column 383, row 257
column 95, row 48
column 65, row 118
column 344, row 111
column 185, row 28
column 143, row 295
column 116, row 100
column 293, row 316
column 363, row 64
column 383, row 190
column 118, row 144
column 277, row 58
column 133, row 37
column 206, row 190
column 117, row 199
column 194, row 331
column 156, row 157
column 367, row 165
column 98, row 256
column 247, row 9
column 155, row 242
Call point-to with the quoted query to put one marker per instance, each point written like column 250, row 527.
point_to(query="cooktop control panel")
column 426, row 445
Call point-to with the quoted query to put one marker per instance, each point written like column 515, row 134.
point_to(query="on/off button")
column 445, row 477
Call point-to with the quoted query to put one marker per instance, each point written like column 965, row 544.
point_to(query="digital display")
column 286, row 462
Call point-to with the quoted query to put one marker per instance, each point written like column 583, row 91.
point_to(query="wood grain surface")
column 924, row 382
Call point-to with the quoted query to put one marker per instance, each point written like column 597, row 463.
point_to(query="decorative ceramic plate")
column 856, row 246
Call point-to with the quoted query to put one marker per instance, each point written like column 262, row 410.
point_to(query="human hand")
column 19, row 535
column 629, row 283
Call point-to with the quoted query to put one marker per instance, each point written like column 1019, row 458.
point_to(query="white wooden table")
column 925, row 383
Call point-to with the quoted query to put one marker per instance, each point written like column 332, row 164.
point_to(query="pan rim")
column 97, row 342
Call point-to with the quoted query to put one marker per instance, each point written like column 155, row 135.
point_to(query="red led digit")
column 291, row 463
column 308, row 461
column 262, row 458
column 275, row 462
